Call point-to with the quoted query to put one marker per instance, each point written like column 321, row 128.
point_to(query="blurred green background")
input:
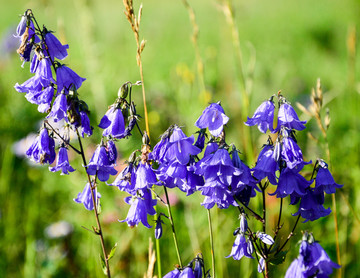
column 285, row 45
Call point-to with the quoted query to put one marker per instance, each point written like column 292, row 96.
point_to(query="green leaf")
column 112, row 252
column 278, row 258
column 103, row 264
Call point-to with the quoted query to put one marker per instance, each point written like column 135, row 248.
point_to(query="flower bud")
column 124, row 90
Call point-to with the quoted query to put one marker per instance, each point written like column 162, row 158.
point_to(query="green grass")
column 293, row 43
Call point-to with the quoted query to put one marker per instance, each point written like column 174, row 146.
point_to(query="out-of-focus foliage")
column 285, row 45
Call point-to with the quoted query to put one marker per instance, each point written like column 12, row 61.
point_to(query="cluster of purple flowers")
column 57, row 97
column 282, row 162
column 312, row 261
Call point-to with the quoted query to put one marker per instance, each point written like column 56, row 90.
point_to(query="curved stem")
column 93, row 197
column 289, row 236
column 257, row 216
column 211, row 244
column 172, row 227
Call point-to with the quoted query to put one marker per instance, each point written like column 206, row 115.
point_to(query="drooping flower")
column 263, row 117
column 181, row 147
column 85, row 197
column 54, row 46
column 85, row 124
column 141, row 205
column 241, row 248
column 125, row 181
column 113, row 123
column 62, row 162
column 145, row 176
column 43, row 148
column 99, row 164
column 66, row 77
column 42, row 98
column 324, row 181
column 312, row 206
column 59, row 108
column 200, row 141
column 266, row 165
column 213, row 118
column 290, row 151
column 267, row 239
column 288, row 118
column 312, row 261
column 291, row 183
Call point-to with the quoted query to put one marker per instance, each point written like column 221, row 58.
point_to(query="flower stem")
column 211, row 244
column 172, row 226
column 93, row 196
column 289, row 236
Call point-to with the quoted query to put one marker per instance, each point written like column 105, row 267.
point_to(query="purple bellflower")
column 145, row 176
column 55, row 48
column 85, row 124
column 111, row 151
column 141, row 206
column 266, row 165
column 42, row 98
column 312, row 261
column 311, row 206
column 59, row 108
column 241, row 247
column 263, row 117
column 213, row 118
column 43, row 149
column 324, row 181
column 85, row 197
column 99, row 164
column 66, row 77
column 62, row 162
column 287, row 117
column 181, row 147
column 291, row 183
column 113, row 123
column 125, row 181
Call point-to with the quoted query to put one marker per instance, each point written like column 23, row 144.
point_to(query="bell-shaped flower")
column 59, row 108
column 62, row 162
column 141, row 206
column 99, row 164
column 85, row 124
column 288, row 118
column 213, row 118
column 125, row 181
column 44, row 72
column 20, row 29
column 263, row 117
column 42, row 98
column 312, row 206
column 324, row 181
column 66, row 77
column 31, row 85
column 54, row 46
column 241, row 248
column 313, row 261
column 266, row 165
column 113, row 123
column 291, row 183
column 181, row 147
column 145, row 176
column 43, row 148
column 291, row 152
column 85, row 197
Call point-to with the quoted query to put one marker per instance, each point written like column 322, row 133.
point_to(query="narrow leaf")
column 112, row 252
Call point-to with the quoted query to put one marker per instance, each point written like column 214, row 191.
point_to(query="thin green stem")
column 211, row 244
column 93, row 197
column 289, row 236
column 172, row 226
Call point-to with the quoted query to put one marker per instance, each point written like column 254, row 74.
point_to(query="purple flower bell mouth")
column 65, row 77
column 85, row 197
column 213, row 118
